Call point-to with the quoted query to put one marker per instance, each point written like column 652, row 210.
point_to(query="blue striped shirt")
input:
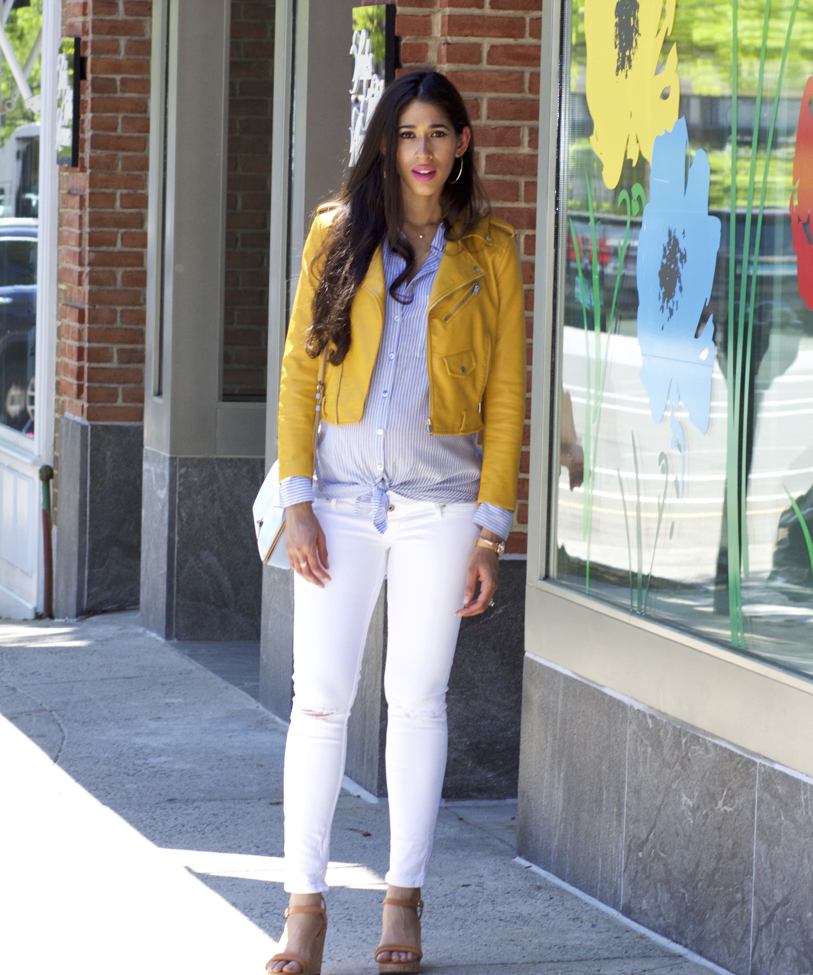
column 392, row 448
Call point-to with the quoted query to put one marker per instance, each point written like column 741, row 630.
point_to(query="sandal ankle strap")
column 417, row 905
column 322, row 909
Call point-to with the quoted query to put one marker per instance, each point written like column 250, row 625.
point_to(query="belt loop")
column 334, row 503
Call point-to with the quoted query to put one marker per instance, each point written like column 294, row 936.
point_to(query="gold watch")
column 498, row 547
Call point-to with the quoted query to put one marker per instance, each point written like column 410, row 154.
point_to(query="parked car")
column 18, row 318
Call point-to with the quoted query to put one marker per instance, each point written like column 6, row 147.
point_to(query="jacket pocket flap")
column 461, row 364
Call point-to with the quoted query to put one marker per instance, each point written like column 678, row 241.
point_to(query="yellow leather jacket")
column 475, row 355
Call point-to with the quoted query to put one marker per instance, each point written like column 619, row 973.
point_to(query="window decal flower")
column 677, row 254
column 629, row 102
column 800, row 212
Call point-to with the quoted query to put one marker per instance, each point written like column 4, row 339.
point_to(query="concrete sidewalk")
column 141, row 831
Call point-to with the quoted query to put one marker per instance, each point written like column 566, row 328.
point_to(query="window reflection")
column 19, row 210
column 686, row 368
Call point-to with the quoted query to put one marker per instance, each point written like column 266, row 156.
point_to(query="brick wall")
column 103, row 218
column 490, row 50
column 251, row 77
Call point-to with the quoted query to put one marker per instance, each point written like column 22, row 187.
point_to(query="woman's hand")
column 305, row 543
column 482, row 568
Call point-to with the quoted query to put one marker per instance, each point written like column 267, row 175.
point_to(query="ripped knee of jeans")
column 318, row 712
column 418, row 714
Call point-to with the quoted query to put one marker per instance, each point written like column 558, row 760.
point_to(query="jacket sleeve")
column 300, row 373
column 504, row 397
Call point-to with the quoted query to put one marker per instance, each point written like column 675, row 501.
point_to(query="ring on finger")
column 303, row 565
column 491, row 604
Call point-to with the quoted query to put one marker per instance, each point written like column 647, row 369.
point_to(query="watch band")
column 498, row 547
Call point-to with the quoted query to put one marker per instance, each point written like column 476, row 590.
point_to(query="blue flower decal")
column 677, row 255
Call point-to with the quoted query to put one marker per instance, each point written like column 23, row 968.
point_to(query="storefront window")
column 685, row 317
column 248, row 201
column 19, row 210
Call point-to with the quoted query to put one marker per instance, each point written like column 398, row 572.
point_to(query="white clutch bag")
column 269, row 522
column 269, row 517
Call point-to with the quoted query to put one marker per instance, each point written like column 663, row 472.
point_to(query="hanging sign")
column 373, row 51
column 69, row 73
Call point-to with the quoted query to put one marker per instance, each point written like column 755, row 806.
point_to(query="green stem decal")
column 596, row 368
column 740, row 333
column 627, row 526
column 803, row 526
column 732, row 433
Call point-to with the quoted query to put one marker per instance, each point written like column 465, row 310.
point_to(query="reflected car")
column 18, row 319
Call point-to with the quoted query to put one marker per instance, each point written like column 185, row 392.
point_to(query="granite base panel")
column 485, row 690
column 98, row 551
column 201, row 578
column 691, row 838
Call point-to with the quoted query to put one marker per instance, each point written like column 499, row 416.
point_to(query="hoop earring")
column 460, row 173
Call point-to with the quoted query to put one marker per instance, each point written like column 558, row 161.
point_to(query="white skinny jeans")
column 424, row 554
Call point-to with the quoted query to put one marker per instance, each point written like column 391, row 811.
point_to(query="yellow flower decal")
column 630, row 104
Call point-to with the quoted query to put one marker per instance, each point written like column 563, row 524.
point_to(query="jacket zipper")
column 465, row 284
column 463, row 301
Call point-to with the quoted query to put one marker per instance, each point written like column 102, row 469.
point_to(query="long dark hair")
column 371, row 208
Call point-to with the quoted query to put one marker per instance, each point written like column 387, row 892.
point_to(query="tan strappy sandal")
column 402, row 967
column 312, row 965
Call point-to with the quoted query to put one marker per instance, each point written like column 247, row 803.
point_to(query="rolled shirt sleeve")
column 295, row 490
column 494, row 518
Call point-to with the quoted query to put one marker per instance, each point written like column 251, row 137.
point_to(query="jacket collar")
column 461, row 264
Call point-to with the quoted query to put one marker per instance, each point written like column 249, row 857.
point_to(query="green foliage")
column 22, row 27
column 371, row 19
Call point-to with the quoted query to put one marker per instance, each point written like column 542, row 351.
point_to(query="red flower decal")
column 803, row 192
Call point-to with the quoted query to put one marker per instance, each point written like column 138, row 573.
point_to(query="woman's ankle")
column 404, row 893
column 305, row 900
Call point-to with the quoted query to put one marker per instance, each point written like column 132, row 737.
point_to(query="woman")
column 410, row 305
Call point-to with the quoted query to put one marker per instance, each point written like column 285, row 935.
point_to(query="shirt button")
column 397, row 318
column 381, row 467
column 380, row 433
column 392, row 355
column 385, row 393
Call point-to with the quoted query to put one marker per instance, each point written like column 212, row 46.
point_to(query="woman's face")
column 428, row 149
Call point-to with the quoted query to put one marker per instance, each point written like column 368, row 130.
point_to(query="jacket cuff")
column 494, row 518
column 295, row 490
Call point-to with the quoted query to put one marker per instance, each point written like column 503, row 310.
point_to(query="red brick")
column 131, row 67
column 516, row 544
column 514, row 55
column 106, row 47
column 460, row 53
column 99, row 354
column 134, row 279
column 534, row 6
column 133, row 316
column 535, row 28
column 468, row 4
column 529, row 245
column 100, row 85
column 132, row 394
column 509, row 82
column 100, row 316
column 414, row 25
column 105, row 375
column 101, row 394
column 115, row 181
column 134, row 86
column 510, row 164
column 533, row 83
column 520, row 219
column 467, row 25
column 502, row 190
column 530, row 192
column 115, row 218
column 119, row 105
column 137, row 48
column 414, row 52
column 132, row 238
column 102, row 123
column 133, row 201
column 126, row 357
column 116, row 258
column 138, row 8
column 114, row 414
column 512, row 110
column 117, row 296
column 503, row 136
column 118, row 143
column 100, row 278
column 118, row 27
